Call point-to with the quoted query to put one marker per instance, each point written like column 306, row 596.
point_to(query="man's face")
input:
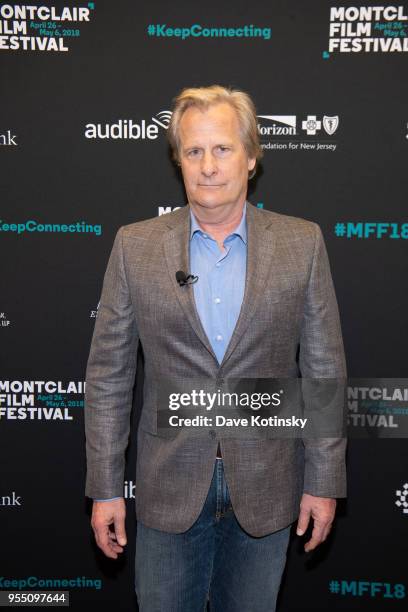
column 213, row 160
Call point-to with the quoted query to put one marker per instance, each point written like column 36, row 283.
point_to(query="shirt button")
column 205, row 236
column 217, row 300
column 217, row 265
column 218, row 337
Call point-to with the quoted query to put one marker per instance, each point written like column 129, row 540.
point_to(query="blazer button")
column 212, row 433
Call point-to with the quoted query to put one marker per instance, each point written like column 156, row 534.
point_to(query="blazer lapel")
column 177, row 252
column 259, row 261
column 260, row 253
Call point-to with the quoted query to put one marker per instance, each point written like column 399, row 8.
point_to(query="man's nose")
column 208, row 164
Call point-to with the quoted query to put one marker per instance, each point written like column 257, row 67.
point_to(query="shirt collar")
column 240, row 230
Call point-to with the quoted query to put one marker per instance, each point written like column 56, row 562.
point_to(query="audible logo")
column 127, row 129
column 122, row 129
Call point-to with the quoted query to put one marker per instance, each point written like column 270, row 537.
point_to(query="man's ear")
column 251, row 163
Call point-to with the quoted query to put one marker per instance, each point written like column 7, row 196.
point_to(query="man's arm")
column 321, row 356
column 110, row 377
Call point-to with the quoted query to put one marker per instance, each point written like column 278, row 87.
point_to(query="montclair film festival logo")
column 367, row 29
column 24, row 27
column 380, row 407
column 287, row 132
column 39, row 400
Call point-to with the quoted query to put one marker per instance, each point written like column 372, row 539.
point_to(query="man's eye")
column 193, row 153
column 223, row 149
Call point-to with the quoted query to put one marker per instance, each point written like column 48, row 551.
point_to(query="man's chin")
column 209, row 202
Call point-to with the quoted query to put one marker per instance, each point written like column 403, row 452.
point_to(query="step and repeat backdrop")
column 87, row 90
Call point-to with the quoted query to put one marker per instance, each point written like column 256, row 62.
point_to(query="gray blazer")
column 288, row 321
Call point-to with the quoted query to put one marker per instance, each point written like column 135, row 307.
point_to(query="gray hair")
column 203, row 98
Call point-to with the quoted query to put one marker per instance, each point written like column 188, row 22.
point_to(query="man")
column 213, row 512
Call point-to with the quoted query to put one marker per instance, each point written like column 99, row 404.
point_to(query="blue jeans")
column 214, row 560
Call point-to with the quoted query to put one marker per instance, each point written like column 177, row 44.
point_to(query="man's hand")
column 104, row 514
column 322, row 510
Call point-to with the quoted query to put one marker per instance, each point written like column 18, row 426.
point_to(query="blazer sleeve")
column 321, row 356
column 110, row 377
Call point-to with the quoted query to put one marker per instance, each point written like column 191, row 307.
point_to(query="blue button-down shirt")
column 219, row 291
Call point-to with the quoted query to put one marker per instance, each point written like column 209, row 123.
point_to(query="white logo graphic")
column 11, row 500
column 129, row 489
column 127, row 129
column 4, row 321
column 163, row 119
column 330, row 124
column 43, row 400
column 94, row 313
column 163, row 210
column 281, row 132
column 311, row 125
column 41, row 28
column 282, row 125
column 367, row 29
column 402, row 495
column 8, row 139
